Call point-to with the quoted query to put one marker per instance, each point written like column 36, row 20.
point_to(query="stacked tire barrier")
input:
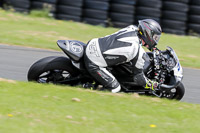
column 174, row 16
column 194, row 17
column 149, row 9
column 1, row 3
column 18, row 5
column 122, row 12
column 96, row 12
column 69, row 10
column 44, row 4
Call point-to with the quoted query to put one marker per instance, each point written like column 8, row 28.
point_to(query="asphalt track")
column 15, row 62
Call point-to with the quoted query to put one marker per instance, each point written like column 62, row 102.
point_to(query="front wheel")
column 52, row 70
column 175, row 93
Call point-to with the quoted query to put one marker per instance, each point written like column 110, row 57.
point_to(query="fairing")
column 178, row 70
column 74, row 49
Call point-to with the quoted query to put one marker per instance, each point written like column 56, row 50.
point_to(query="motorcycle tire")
column 180, row 91
column 51, row 70
column 174, row 95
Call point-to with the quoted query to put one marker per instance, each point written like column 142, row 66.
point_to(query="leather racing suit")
column 120, row 47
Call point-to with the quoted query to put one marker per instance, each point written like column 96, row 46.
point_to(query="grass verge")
column 30, row 107
column 44, row 32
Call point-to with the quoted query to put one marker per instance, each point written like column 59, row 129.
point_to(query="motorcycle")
column 161, row 66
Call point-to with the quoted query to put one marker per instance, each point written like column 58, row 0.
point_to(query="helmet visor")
column 156, row 38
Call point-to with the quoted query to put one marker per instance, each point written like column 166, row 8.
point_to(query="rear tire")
column 52, row 70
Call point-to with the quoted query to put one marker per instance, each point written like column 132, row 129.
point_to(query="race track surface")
column 15, row 62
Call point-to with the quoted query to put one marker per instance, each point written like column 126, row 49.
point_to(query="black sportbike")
column 161, row 66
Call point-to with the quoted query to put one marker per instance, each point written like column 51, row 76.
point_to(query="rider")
column 121, row 47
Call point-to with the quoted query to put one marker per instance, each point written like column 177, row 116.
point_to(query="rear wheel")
column 53, row 69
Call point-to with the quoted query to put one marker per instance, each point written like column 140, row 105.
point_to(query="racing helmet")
column 150, row 31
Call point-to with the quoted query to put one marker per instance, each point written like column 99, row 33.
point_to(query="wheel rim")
column 169, row 93
column 53, row 76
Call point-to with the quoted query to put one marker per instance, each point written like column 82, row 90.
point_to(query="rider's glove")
column 151, row 85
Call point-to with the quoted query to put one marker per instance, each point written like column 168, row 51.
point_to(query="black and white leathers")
column 120, row 47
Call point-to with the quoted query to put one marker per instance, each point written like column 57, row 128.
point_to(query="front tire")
column 52, row 69
column 180, row 91
column 175, row 93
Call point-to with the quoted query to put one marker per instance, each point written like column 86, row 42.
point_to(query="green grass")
column 40, row 13
column 44, row 32
column 39, row 108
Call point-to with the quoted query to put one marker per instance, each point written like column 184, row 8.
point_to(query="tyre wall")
column 69, row 10
column 175, row 16
column 96, row 12
column 194, row 17
column 17, row 5
column 149, row 9
column 1, row 3
column 122, row 13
